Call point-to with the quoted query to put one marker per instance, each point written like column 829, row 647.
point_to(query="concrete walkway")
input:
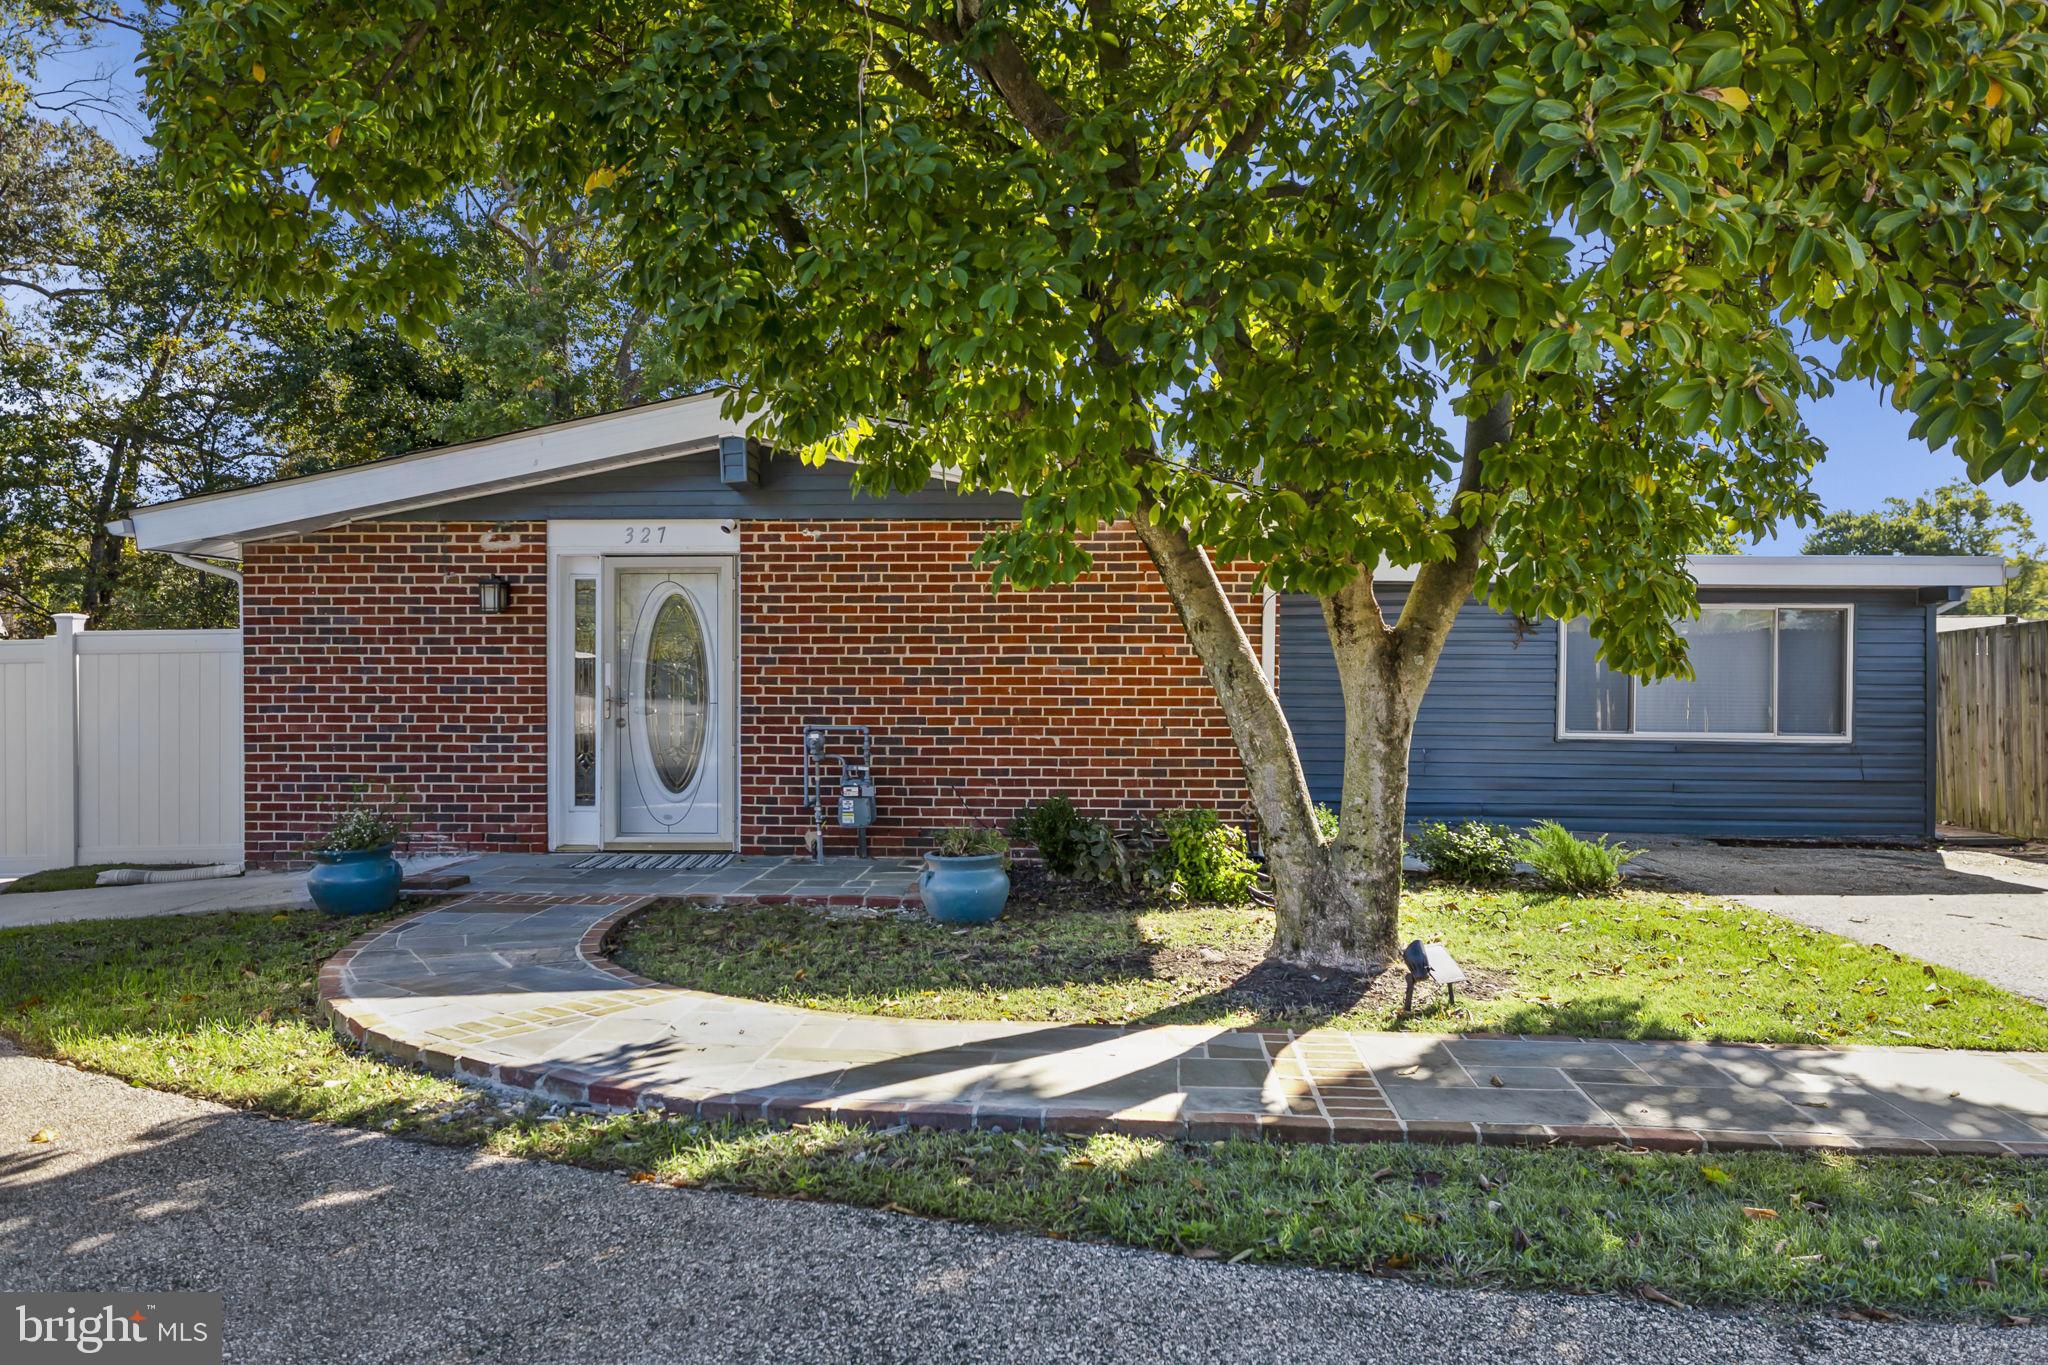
column 345, row 1247
column 1969, row 909
column 252, row 891
column 514, row 990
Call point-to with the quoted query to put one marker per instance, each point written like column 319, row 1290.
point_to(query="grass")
column 1626, row 965
column 76, row 878
column 223, row 1007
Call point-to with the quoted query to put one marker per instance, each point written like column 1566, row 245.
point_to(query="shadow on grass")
column 1088, row 966
column 1600, row 1016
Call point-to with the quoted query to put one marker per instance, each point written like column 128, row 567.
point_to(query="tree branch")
column 1011, row 73
column 920, row 83
column 67, row 292
column 1442, row 585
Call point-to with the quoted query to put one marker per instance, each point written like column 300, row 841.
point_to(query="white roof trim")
column 1821, row 571
column 217, row 523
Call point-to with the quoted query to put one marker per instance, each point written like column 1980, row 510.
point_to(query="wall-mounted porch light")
column 493, row 595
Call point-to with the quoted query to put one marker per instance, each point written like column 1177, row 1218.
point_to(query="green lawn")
column 76, row 878
column 223, row 1007
column 1632, row 965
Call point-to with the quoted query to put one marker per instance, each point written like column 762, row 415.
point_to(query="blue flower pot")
column 964, row 890
column 360, row 881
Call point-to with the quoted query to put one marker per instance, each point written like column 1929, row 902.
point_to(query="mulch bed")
column 1244, row 978
column 1255, row 982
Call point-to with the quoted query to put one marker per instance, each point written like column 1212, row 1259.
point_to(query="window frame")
column 1771, row 736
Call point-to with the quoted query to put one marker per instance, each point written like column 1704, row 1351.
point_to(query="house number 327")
column 646, row 535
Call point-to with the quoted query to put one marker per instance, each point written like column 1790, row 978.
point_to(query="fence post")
column 64, row 737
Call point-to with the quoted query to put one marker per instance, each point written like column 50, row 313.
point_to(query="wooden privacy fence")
column 1992, row 722
column 120, row 746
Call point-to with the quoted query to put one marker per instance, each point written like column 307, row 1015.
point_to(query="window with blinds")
column 1759, row 672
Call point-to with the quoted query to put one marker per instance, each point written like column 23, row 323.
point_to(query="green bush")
column 1059, row 831
column 968, row 841
column 1074, row 845
column 1326, row 821
column 1564, row 862
column 1103, row 857
column 1475, row 853
column 1200, row 858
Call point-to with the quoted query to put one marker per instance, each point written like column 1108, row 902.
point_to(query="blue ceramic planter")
column 360, row 881
column 964, row 890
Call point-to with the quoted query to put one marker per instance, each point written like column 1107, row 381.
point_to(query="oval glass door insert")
column 677, row 672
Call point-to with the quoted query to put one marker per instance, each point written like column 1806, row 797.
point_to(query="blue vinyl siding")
column 690, row 486
column 1486, row 743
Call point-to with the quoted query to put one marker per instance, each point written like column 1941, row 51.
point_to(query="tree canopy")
column 1219, row 261
column 1954, row 519
column 131, row 368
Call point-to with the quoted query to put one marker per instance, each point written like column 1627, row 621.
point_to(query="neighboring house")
column 612, row 633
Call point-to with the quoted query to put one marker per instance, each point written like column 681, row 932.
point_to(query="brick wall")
column 367, row 660
column 980, row 701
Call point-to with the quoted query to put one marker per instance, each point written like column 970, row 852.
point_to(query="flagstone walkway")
column 513, row 989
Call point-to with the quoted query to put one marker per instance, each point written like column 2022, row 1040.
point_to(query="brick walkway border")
column 1341, row 1099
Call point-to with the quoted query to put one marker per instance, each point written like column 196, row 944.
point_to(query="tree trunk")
column 1346, row 914
column 102, row 546
column 1321, row 900
column 1337, row 903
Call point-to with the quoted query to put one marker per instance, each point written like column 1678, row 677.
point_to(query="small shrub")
column 1564, row 862
column 366, row 820
column 1200, row 858
column 1059, row 831
column 968, row 841
column 1103, row 857
column 1326, row 821
column 1475, row 853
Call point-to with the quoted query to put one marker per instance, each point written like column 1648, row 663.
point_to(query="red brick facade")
column 367, row 659
column 980, row 701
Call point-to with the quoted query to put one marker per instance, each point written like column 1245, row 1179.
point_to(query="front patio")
column 880, row 882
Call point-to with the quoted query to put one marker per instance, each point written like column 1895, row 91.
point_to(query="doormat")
column 652, row 862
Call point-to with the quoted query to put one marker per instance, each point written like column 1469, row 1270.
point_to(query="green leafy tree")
column 130, row 371
column 124, row 373
column 1955, row 519
column 1206, row 266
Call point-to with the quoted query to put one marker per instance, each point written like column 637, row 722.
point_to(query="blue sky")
column 1870, row 457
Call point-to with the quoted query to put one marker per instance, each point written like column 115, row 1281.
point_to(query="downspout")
column 233, row 576
column 125, row 528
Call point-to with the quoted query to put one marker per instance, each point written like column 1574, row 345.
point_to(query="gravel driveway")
column 1975, row 911
column 341, row 1246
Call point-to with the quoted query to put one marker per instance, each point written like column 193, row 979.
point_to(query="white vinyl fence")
column 120, row 746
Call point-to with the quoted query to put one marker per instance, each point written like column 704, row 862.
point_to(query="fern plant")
column 1565, row 862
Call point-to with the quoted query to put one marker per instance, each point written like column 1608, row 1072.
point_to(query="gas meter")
column 848, row 802
column 856, row 796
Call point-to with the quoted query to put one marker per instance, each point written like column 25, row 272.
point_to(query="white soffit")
column 217, row 523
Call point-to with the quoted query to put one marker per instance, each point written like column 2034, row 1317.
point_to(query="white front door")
column 667, row 760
